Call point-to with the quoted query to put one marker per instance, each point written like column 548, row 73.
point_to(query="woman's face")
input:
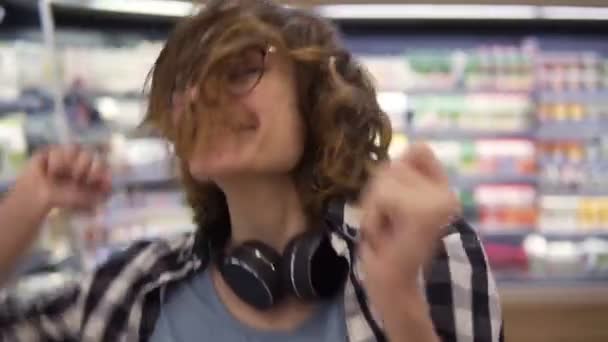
column 263, row 131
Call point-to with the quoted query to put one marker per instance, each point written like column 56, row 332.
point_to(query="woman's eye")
column 244, row 73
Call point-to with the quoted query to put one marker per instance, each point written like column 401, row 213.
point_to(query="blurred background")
column 512, row 96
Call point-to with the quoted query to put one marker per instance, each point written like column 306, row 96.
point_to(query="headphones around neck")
column 309, row 269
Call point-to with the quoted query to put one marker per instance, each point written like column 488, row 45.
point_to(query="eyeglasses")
column 244, row 73
column 247, row 70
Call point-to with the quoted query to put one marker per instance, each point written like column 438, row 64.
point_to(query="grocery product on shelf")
column 574, row 166
column 571, row 116
column 566, row 258
column 573, row 213
column 573, row 120
column 506, row 207
column 490, row 159
column 432, row 70
column 507, row 258
column 33, row 68
column 557, row 258
column 569, row 70
column 110, row 69
column 125, row 113
column 508, row 68
column 13, row 147
column 554, row 257
column 9, row 87
column 390, row 73
column 497, row 67
column 475, row 112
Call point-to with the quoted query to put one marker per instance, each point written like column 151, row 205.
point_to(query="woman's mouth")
column 248, row 123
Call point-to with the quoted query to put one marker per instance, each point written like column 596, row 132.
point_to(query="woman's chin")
column 215, row 169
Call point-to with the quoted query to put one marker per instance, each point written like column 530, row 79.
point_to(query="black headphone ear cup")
column 329, row 270
column 253, row 272
column 311, row 267
column 295, row 270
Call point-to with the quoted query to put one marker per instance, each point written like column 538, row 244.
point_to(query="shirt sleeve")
column 461, row 290
column 50, row 316
column 60, row 314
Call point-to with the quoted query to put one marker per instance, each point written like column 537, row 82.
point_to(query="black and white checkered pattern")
column 120, row 300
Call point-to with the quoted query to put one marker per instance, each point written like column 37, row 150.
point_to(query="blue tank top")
column 193, row 312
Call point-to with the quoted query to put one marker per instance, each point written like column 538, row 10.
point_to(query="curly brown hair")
column 347, row 133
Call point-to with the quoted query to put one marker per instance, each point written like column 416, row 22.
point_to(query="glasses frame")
column 175, row 99
column 265, row 52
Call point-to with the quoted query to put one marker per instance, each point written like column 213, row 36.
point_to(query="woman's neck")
column 264, row 209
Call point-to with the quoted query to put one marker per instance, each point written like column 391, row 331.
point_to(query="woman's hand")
column 405, row 208
column 64, row 177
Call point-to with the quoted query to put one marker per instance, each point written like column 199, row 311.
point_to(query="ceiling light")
column 163, row 8
column 574, row 13
column 406, row 11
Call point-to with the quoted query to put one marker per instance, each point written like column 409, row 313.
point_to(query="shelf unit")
column 394, row 34
column 459, row 134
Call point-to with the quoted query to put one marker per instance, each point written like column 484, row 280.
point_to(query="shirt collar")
column 345, row 217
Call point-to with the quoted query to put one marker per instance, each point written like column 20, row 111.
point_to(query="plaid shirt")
column 121, row 300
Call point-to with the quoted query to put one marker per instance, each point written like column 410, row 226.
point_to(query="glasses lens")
column 245, row 71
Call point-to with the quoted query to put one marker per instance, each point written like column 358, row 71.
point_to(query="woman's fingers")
column 421, row 157
column 408, row 200
column 78, row 178
column 371, row 222
column 82, row 166
column 56, row 164
column 382, row 206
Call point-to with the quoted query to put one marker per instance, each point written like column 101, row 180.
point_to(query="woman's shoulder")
column 152, row 247
column 144, row 257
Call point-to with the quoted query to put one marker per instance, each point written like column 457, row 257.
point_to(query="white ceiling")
column 519, row 2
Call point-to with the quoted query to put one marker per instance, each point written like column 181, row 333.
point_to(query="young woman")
column 306, row 231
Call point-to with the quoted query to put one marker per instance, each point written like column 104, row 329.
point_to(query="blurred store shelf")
column 464, row 91
column 124, row 182
column 572, row 130
column 492, row 232
column 157, row 174
column 471, row 181
column 518, row 234
column 515, row 280
column 573, row 96
column 459, row 134
column 153, row 183
column 22, row 104
column 585, row 290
